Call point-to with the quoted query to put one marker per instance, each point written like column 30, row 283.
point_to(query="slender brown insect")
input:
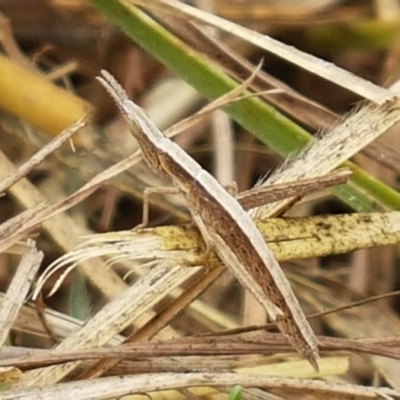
column 223, row 223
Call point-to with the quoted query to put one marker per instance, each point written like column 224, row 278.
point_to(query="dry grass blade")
column 236, row 94
column 59, row 228
column 312, row 64
column 120, row 386
column 371, row 320
column 113, row 318
column 15, row 228
column 182, row 299
column 18, row 289
column 261, row 343
column 292, row 102
column 341, row 142
column 36, row 159
column 62, row 325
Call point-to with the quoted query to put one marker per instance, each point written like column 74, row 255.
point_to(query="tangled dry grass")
column 142, row 313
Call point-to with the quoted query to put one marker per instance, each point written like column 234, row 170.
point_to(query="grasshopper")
column 224, row 224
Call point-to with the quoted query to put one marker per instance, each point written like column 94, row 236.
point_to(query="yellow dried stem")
column 31, row 97
column 291, row 238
